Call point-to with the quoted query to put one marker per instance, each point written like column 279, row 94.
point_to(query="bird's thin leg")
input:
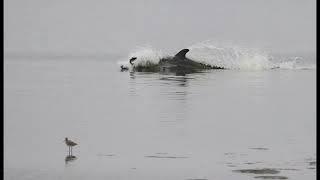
column 69, row 151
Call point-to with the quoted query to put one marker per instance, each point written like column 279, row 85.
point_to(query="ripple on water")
column 260, row 148
column 271, row 177
column 250, row 163
column 167, row 157
column 312, row 163
column 258, row 171
column 108, row 155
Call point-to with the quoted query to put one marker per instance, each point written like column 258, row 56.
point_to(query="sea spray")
column 230, row 56
column 146, row 56
column 224, row 56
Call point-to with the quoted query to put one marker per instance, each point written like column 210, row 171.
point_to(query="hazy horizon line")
column 102, row 54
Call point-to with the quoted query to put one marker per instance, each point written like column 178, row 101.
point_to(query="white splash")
column 228, row 56
column 143, row 54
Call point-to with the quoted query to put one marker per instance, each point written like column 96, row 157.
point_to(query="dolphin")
column 179, row 64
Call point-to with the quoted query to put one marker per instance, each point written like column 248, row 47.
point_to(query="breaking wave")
column 229, row 57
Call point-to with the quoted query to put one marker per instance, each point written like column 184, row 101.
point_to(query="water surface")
column 154, row 126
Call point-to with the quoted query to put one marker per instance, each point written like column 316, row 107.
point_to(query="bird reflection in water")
column 70, row 158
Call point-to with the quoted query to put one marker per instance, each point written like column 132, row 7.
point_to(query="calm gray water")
column 144, row 126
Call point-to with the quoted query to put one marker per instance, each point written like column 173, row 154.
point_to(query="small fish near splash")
column 178, row 64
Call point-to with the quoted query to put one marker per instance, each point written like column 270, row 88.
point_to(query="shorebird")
column 70, row 144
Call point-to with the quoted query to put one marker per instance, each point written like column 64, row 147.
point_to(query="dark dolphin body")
column 178, row 64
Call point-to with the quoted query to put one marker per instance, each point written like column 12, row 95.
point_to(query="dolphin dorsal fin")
column 182, row 54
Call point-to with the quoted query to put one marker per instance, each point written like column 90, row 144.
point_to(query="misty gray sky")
column 114, row 26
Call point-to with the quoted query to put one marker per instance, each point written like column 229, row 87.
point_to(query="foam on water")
column 144, row 54
column 235, row 57
column 230, row 57
column 226, row 56
column 295, row 63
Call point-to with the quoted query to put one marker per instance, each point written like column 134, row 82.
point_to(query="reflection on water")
column 70, row 158
column 132, row 75
column 174, row 90
column 176, row 80
column 175, row 87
